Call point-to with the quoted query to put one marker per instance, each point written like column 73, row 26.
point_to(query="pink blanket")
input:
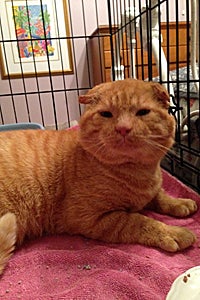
column 65, row 267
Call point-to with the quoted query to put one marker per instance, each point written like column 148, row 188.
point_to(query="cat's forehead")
column 129, row 98
column 128, row 93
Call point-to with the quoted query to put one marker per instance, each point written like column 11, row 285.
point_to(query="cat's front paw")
column 177, row 238
column 183, row 207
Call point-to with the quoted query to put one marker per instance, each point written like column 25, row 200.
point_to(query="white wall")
column 85, row 17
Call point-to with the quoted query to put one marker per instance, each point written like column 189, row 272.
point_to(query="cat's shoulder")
column 29, row 137
column 38, row 132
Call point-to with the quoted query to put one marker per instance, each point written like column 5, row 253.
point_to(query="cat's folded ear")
column 93, row 96
column 161, row 94
column 88, row 99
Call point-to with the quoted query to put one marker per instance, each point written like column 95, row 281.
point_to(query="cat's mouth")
column 129, row 142
column 136, row 142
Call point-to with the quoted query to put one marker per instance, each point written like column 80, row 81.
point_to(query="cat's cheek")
column 95, row 122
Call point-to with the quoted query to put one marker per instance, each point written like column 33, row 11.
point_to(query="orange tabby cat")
column 94, row 181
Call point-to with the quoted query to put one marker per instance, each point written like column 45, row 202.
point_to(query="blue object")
column 20, row 126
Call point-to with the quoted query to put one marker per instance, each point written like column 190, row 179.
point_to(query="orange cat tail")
column 8, row 234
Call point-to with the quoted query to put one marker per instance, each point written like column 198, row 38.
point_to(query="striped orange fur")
column 96, row 180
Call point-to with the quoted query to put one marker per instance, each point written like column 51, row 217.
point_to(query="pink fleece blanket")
column 65, row 267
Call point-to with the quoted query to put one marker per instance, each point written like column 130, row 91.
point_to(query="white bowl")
column 186, row 286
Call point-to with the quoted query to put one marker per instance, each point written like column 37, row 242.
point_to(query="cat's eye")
column 143, row 112
column 106, row 114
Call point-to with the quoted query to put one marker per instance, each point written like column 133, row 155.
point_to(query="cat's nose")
column 122, row 130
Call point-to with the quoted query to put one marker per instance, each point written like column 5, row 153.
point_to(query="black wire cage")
column 53, row 51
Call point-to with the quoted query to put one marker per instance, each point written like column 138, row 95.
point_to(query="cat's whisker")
column 153, row 136
column 159, row 146
column 152, row 139
column 97, row 147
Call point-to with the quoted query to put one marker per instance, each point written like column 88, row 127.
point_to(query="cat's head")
column 127, row 121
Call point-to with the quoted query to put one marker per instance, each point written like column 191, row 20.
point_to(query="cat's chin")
column 119, row 150
column 127, row 145
column 122, row 153
column 136, row 152
column 136, row 157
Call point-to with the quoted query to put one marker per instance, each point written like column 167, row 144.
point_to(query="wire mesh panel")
column 158, row 40
column 45, row 59
column 51, row 51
